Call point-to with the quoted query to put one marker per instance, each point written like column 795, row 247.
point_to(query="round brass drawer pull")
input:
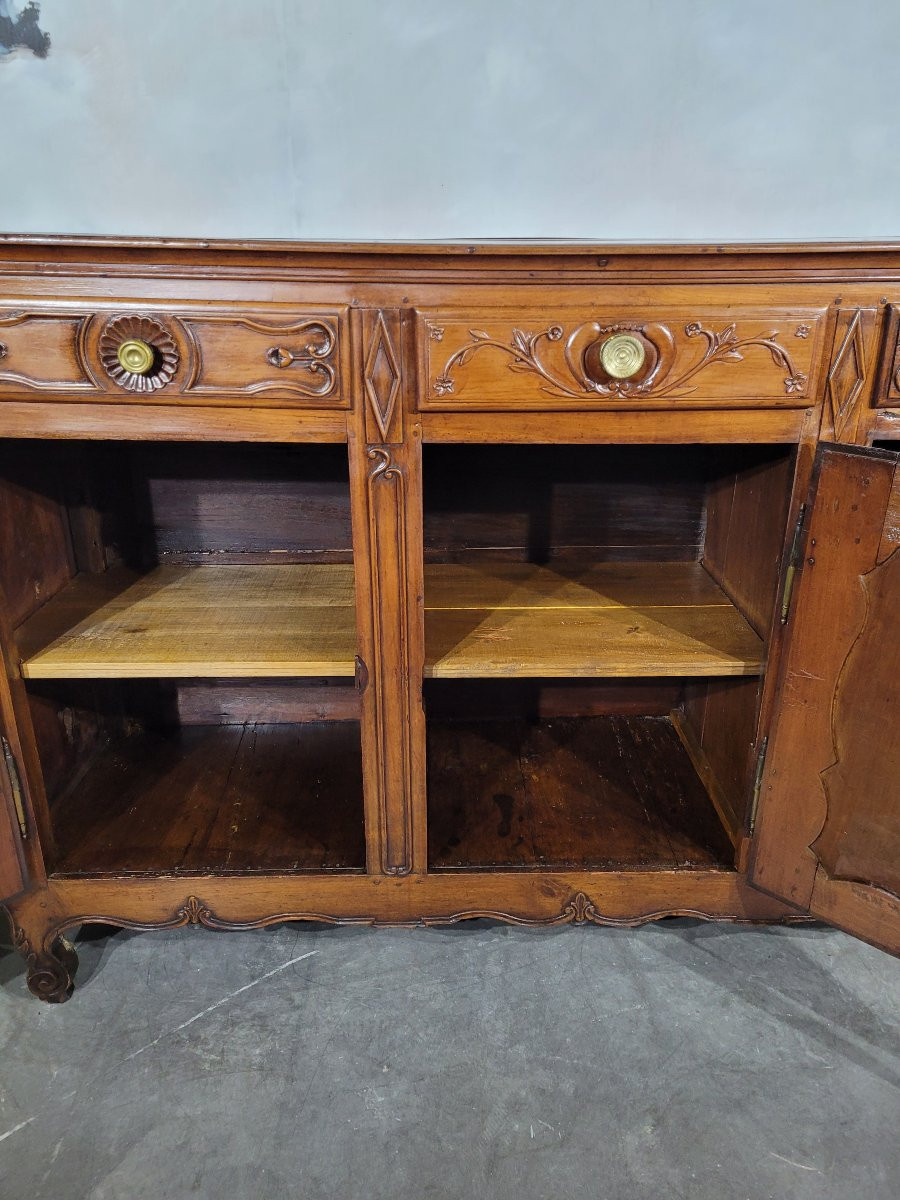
column 622, row 355
column 136, row 356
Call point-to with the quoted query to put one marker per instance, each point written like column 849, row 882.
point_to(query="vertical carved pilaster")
column 386, row 482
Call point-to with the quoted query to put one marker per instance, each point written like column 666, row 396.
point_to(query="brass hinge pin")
column 757, row 781
column 793, row 564
column 15, row 784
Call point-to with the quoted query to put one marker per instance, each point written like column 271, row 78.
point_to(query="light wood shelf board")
column 607, row 620
column 196, row 621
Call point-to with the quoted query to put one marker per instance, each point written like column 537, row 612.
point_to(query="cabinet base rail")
column 41, row 919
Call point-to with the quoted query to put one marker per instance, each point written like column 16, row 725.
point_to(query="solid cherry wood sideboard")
column 406, row 584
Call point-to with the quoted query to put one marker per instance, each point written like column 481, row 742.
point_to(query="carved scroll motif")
column 526, row 352
column 306, row 351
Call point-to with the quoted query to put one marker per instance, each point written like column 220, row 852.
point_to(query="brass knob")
column 622, row 355
column 135, row 356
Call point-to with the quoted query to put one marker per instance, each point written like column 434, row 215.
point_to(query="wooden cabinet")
column 372, row 584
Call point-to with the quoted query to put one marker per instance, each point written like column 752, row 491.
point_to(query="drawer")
column 274, row 357
column 620, row 358
column 887, row 385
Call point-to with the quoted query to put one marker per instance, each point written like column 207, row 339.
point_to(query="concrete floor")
column 676, row 1060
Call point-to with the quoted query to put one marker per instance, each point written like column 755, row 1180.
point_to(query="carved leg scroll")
column 50, row 960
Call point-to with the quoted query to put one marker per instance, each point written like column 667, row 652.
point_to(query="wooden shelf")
column 217, row 798
column 605, row 620
column 499, row 621
column 588, row 792
column 196, row 621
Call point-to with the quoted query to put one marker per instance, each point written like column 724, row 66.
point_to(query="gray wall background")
column 646, row 119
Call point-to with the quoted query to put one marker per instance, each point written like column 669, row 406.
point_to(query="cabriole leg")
column 50, row 958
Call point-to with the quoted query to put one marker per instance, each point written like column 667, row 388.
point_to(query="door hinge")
column 757, row 781
column 15, row 785
column 793, row 564
column 360, row 675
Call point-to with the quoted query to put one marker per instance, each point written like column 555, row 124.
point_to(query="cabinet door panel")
column 828, row 828
column 12, row 870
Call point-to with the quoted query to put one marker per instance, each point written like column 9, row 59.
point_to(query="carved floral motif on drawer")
column 545, row 359
column 272, row 358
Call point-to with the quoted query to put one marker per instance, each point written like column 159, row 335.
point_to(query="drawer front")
column 620, row 358
column 887, row 386
column 273, row 358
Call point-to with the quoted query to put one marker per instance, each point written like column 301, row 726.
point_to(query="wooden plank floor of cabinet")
column 252, row 797
column 606, row 619
column 597, row 792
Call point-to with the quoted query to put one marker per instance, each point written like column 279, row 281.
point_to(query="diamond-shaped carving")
column 382, row 378
column 848, row 372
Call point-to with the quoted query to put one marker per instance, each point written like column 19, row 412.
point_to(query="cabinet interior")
column 185, row 619
column 596, row 626
column 597, row 620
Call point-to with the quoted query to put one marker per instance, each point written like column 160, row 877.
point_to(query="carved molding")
column 315, row 357
column 388, row 550
column 526, row 353
column 81, row 325
column 381, row 378
column 847, row 375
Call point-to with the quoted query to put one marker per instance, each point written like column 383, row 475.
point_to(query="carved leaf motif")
column 524, row 354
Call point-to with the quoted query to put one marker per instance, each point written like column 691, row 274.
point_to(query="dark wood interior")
column 214, row 774
column 227, row 798
column 590, row 792
column 722, row 506
column 143, row 744
column 157, row 776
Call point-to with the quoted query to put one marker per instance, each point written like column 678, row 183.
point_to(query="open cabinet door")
column 16, row 820
column 827, row 831
column 12, row 867
column 13, row 828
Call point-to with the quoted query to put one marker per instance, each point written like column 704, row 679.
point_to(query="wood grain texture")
column 610, row 792
column 36, row 557
column 168, row 422
column 178, row 621
column 628, row 505
column 603, row 621
column 202, row 357
column 218, row 798
column 555, row 503
column 617, row 428
column 386, row 490
column 202, row 502
column 838, row 705
column 850, row 387
column 542, row 358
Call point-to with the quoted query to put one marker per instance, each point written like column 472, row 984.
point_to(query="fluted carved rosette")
column 142, row 329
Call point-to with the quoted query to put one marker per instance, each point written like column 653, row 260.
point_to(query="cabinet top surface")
column 536, row 247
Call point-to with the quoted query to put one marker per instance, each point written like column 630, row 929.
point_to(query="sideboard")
column 406, row 584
